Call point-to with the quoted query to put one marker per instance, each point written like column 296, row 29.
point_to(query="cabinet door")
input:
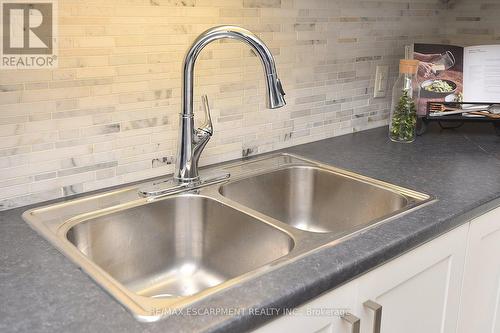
column 321, row 315
column 419, row 291
column 480, row 304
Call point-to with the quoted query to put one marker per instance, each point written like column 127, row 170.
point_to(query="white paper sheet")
column 482, row 74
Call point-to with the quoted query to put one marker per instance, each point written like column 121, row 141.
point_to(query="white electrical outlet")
column 381, row 77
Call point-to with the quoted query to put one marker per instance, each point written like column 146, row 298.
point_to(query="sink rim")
column 147, row 309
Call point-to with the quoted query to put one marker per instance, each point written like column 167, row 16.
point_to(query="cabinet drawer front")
column 419, row 291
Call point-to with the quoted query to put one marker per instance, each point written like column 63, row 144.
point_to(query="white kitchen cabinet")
column 418, row 292
column 480, row 304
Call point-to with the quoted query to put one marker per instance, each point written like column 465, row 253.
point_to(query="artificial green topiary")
column 404, row 119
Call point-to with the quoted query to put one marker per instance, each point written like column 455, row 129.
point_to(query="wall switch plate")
column 381, row 77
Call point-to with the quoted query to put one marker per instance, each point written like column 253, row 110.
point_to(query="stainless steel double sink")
column 158, row 254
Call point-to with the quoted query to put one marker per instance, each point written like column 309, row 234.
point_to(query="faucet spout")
column 186, row 167
column 275, row 93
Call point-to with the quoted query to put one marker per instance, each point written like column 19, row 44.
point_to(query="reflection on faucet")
column 192, row 141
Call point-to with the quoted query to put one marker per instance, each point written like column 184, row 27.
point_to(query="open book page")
column 440, row 73
column 482, row 73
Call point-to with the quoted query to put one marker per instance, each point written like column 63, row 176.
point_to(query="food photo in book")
column 440, row 74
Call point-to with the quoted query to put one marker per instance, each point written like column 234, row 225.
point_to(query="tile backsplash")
column 473, row 22
column 108, row 114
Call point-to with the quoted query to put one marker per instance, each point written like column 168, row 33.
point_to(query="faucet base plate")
column 170, row 186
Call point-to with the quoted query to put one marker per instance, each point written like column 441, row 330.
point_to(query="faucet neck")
column 210, row 36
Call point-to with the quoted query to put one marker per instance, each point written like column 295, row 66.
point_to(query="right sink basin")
column 319, row 200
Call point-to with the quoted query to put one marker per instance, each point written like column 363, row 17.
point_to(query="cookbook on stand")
column 449, row 73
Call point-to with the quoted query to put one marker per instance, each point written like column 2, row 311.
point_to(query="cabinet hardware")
column 352, row 320
column 377, row 314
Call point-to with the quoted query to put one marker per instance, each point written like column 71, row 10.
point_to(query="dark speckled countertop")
column 42, row 291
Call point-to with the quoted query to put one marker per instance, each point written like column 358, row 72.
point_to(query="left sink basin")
column 154, row 256
column 178, row 246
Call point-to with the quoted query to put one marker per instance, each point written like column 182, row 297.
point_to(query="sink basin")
column 315, row 199
column 156, row 255
column 178, row 246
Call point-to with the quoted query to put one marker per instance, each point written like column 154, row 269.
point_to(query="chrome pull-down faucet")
column 192, row 140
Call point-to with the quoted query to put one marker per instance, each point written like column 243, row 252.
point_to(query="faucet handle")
column 207, row 125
